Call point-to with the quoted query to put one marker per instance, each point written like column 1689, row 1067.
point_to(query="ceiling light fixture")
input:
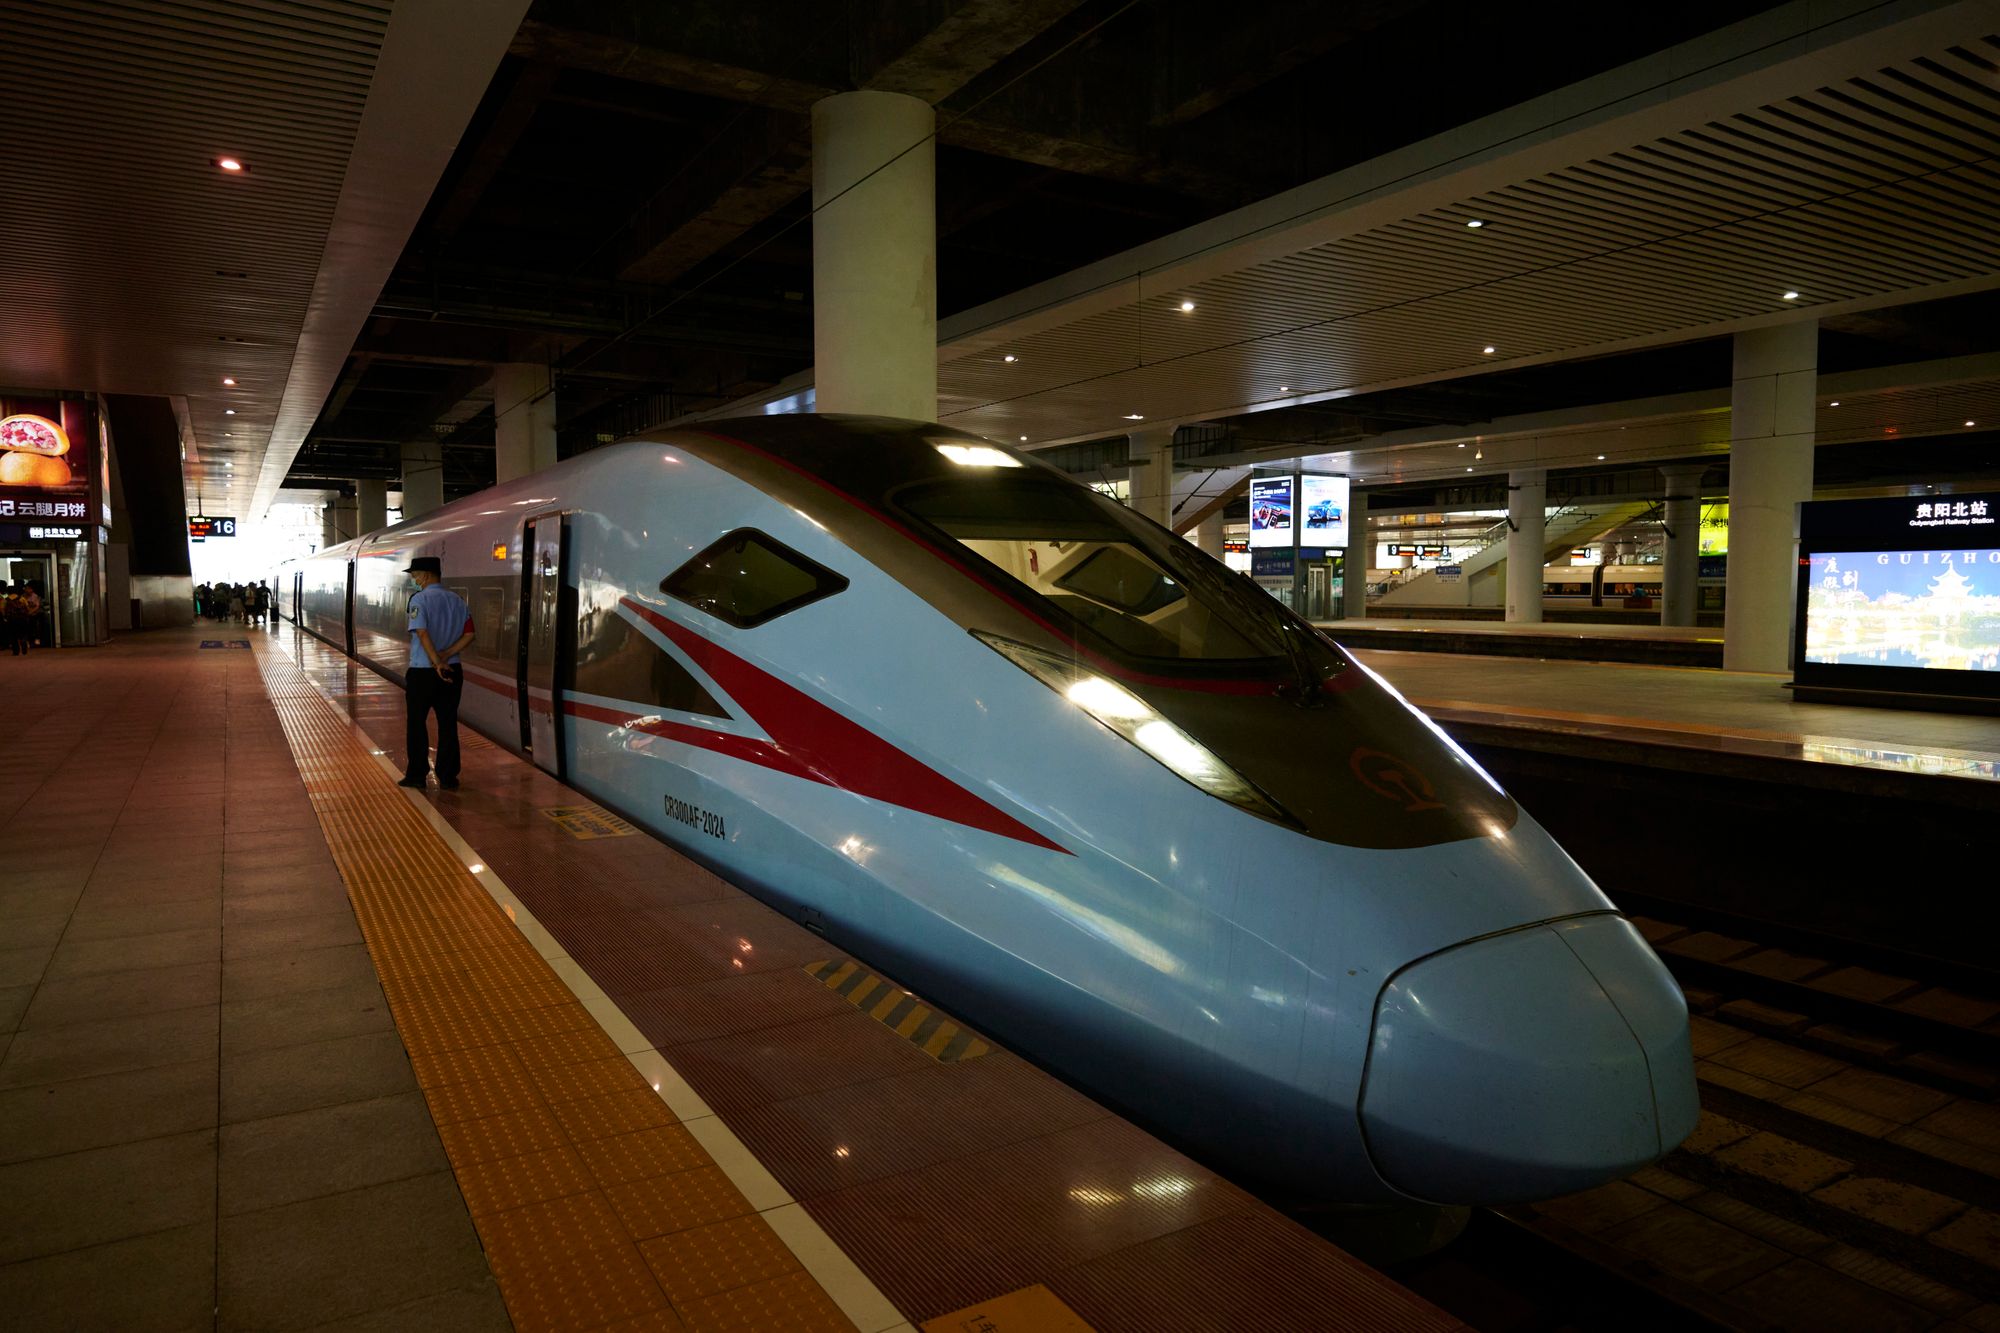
column 228, row 164
column 1284, row 388
column 1972, row 423
column 1134, row 416
column 1486, row 351
column 1474, row 222
column 1834, row 403
column 1010, row 358
column 1468, row 469
column 229, row 411
column 1024, row 439
column 1791, row 296
column 228, row 382
column 1600, row 458
column 1187, row 307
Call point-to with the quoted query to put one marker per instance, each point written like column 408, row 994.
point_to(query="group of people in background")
column 21, row 613
column 245, row 603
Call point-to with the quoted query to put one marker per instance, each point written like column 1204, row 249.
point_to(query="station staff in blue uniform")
column 434, row 680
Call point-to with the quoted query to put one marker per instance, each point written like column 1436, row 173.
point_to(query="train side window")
column 748, row 578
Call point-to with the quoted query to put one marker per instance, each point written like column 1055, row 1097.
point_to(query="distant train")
column 1054, row 768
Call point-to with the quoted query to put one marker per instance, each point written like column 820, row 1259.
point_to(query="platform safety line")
column 850, row 1289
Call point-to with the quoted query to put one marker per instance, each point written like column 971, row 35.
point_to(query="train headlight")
column 1137, row 721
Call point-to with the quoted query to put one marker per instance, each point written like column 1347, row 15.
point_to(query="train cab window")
column 748, row 578
column 1133, row 588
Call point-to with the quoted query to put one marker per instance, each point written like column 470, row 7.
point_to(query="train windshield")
column 1113, row 577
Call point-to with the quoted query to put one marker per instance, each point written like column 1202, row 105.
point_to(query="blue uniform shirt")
column 440, row 613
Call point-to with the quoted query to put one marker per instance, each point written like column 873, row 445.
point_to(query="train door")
column 547, row 639
column 298, row 597
column 348, row 616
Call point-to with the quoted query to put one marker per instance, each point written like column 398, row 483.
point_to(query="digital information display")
column 1323, row 510
column 1900, row 595
column 201, row 528
column 1270, row 512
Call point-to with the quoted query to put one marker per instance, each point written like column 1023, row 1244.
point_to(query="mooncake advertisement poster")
column 44, row 474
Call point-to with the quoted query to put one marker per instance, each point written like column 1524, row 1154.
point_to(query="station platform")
column 1642, row 642
column 283, row 1045
column 1735, row 723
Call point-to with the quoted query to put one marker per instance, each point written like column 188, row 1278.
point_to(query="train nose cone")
column 1528, row 1065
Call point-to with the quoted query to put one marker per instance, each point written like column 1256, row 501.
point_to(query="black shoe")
column 416, row 782
column 449, row 784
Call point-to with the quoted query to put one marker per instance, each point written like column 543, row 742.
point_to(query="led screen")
column 1936, row 610
column 1323, row 511
column 1270, row 511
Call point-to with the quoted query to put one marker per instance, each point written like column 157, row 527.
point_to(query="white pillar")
column 1355, row 559
column 524, row 421
column 1151, row 453
column 1208, row 535
column 1681, row 571
column 874, row 256
column 1771, row 424
column 371, row 500
column 423, row 477
column 1527, row 540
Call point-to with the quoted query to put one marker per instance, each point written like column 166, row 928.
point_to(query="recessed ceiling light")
column 228, row 164
column 1024, row 439
column 1468, row 469
column 1834, row 403
column 1486, row 351
column 1284, row 388
column 1134, row 416
column 1187, row 307
column 1474, row 222
column 1010, row 358
column 1461, row 446
column 1791, row 296
column 1972, row 423
column 1600, row 458
column 228, row 382
column 229, row 411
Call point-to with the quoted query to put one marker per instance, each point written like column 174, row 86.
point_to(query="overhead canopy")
column 136, row 263
column 1815, row 160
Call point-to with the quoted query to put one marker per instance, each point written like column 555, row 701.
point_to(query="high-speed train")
column 1053, row 768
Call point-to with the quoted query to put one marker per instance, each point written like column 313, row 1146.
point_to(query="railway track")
column 1845, row 1175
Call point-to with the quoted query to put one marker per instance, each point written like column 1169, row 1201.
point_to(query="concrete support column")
column 1771, row 426
column 1680, row 573
column 1355, row 559
column 524, row 421
column 371, row 500
column 423, row 477
column 874, row 256
column 1152, row 476
column 338, row 521
column 1208, row 535
column 1527, row 536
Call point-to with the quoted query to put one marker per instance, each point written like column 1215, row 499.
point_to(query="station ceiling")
column 619, row 189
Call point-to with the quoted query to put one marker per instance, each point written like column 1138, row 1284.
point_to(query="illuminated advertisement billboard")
column 44, row 474
column 1270, row 511
column 1323, row 511
column 1900, row 595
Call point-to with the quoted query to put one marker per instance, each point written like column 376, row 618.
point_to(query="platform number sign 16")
column 211, row 526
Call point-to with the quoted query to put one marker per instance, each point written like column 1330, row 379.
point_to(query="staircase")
column 1482, row 577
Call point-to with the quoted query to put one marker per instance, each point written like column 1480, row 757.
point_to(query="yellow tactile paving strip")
column 596, row 1207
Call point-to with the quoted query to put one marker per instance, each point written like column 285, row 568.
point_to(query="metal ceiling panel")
column 138, row 265
column 1842, row 152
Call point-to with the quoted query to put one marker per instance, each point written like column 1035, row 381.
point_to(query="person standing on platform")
column 433, row 683
column 14, row 612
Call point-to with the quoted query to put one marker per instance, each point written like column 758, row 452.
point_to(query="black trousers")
column 424, row 694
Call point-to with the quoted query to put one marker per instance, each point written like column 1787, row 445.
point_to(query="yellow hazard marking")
column 1033, row 1309
column 901, row 1012
column 589, row 821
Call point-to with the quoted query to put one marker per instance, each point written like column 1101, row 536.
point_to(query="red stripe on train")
column 810, row 740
